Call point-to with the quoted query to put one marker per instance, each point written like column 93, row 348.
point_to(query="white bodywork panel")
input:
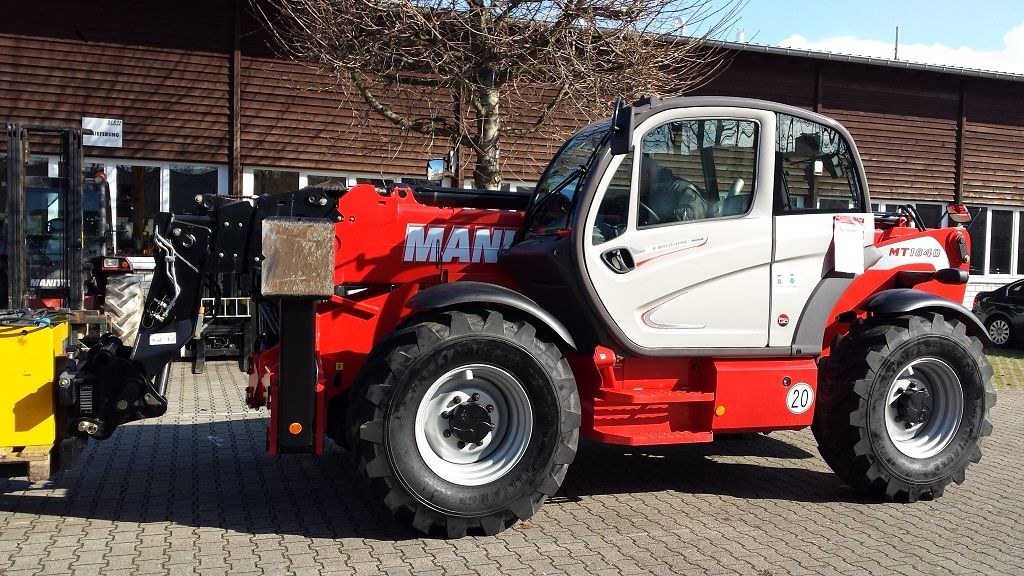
column 696, row 284
column 802, row 258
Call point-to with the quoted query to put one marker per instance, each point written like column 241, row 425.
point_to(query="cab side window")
column 814, row 170
column 612, row 214
column 695, row 170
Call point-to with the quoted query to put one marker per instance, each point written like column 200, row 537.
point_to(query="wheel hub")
column 473, row 424
column 470, row 422
column 913, row 406
column 923, row 408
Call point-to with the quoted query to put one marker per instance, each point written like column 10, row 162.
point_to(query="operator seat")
column 670, row 197
column 736, row 202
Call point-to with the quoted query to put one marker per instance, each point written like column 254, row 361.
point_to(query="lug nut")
column 65, row 382
column 475, row 397
column 199, row 198
column 122, row 405
column 447, row 433
column 444, row 415
column 323, row 201
column 461, row 444
column 176, row 232
column 490, row 408
column 457, row 399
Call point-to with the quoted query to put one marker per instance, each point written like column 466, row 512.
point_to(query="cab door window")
column 815, row 169
column 696, row 170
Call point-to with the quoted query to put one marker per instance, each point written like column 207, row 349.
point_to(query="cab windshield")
column 554, row 195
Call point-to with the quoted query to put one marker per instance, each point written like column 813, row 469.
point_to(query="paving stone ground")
column 195, row 493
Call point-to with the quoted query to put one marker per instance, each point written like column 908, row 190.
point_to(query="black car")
column 1002, row 312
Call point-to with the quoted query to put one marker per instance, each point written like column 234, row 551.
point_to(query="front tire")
column 903, row 406
column 464, row 422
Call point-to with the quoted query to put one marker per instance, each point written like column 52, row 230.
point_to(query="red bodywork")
column 390, row 246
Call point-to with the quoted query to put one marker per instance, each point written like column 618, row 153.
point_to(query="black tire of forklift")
column 850, row 421
column 395, row 380
column 123, row 302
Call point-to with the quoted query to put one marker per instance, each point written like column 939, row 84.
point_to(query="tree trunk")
column 487, row 173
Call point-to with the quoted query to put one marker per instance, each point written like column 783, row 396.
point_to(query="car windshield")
column 553, row 197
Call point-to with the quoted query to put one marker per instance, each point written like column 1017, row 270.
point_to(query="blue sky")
column 981, row 34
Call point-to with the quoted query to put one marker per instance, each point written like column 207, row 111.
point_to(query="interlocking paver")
column 195, row 492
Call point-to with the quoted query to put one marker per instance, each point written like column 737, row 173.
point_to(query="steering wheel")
column 646, row 216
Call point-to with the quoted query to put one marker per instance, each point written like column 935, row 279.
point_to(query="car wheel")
column 1000, row 331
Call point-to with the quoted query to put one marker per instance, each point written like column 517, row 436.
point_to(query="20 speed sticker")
column 799, row 398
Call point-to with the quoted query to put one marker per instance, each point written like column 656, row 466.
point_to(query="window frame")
column 862, row 191
column 633, row 217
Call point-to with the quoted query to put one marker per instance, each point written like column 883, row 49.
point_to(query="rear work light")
column 958, row 213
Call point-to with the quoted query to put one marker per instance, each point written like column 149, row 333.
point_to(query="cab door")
column 680, row 248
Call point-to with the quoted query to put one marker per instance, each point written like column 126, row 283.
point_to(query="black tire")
column 398, row 377
column 850, row 422
column 1000, row 331
column 124, row 301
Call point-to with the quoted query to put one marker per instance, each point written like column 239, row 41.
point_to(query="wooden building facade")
column 207, row 106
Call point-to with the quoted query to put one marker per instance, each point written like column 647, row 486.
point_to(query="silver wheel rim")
column 929, row 437
column 500, row 450
column 999, row 331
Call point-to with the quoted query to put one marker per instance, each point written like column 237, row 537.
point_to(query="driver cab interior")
column 688, row 170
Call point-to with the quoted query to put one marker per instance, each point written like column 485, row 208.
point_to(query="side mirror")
column 621, row 140
column 435, row 170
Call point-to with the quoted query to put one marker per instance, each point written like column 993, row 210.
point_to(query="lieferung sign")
column 105, row 131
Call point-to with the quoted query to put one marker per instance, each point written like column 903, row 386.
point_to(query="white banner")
column 105, row 131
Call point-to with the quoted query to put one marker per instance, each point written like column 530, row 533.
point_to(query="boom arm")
column 114, row 384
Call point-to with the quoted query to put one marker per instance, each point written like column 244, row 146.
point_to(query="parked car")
column 1002, row 312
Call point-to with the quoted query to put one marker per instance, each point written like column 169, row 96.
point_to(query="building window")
column 187, row 181
column 931, row 214
column 332, row 182
column 1000, row 242
column 138, row 201
column 274, row 181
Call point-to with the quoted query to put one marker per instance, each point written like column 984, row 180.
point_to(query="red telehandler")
column 693, row 266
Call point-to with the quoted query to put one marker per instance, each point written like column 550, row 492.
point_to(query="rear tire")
column 875, row 426
column 124, row 301
column 464, row 422
column 1000, row 331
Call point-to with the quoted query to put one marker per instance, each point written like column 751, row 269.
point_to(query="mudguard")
column 904, row 300
column 455, row 293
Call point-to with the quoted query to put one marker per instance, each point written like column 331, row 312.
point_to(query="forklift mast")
column 70, row 183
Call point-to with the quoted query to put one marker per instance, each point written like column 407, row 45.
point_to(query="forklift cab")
column 675, row 244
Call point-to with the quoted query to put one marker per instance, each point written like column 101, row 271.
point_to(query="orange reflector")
column 295, row 428
column 720, row 411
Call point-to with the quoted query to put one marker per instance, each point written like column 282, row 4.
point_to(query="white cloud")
column 1008, row 58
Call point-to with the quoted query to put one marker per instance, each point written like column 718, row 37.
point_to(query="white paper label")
column 848, row 240
column 163, row 339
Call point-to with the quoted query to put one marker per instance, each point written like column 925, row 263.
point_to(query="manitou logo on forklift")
column 459, row 362
column 478, row 245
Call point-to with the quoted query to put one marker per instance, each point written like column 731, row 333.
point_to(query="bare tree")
column 472, row 71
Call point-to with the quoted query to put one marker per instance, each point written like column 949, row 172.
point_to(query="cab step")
column 650, row 438
column 642, row 396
